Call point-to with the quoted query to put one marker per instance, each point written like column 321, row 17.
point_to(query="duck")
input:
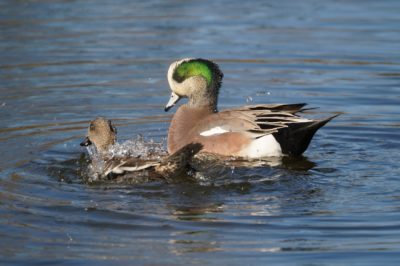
column 251, row 131
column 102, row 134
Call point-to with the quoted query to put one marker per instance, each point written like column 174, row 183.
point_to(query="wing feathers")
column 260, row 120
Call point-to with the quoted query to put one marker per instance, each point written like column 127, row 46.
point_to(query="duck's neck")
column 204, row 101
column 184, row 121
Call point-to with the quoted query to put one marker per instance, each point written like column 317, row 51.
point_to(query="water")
column 65, row 62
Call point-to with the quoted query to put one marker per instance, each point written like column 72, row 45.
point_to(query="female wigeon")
column 103, row 135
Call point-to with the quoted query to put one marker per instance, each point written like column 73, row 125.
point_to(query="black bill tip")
column 86, row 142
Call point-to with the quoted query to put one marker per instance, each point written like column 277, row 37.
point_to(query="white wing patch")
column 121, row 168
column 136, row 168
column 302, row 119
column 213, row 131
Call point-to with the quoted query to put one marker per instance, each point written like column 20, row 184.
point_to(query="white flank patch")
column 213, row 131
column 266, row 146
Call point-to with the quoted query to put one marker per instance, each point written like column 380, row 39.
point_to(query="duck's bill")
column 86, row 142
column 172, row 101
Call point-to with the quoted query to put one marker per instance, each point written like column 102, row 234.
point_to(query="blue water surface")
column 62, row 63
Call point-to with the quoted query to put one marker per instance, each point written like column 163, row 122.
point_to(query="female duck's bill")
column 252, row 131
column 86, row 142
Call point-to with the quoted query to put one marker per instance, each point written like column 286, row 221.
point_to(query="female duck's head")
column 101, row 133
column 196, row 79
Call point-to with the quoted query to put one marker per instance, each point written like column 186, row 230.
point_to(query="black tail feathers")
column 295, row 138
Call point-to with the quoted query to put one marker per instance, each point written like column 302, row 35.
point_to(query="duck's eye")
column 92, row 127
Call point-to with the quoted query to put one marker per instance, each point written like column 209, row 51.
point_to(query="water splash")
column 138, row 147
column 134, row 148
column 96, row 167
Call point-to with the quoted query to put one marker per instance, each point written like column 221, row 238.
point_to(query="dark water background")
column 62, row 63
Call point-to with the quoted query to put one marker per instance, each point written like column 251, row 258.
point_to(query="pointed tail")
column 294, row 139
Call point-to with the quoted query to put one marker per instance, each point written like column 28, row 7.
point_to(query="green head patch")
column 195, row 67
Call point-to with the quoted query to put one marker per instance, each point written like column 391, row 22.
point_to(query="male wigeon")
column 103, row 135
column 252, row 131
